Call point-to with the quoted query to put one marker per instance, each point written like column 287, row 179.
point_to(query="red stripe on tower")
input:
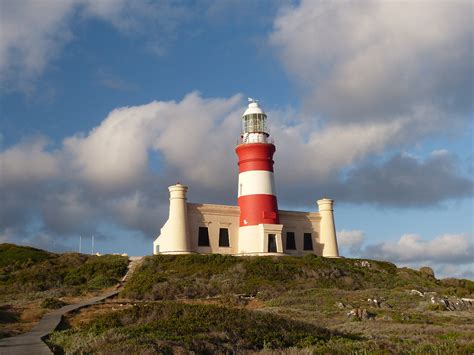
column 255, row 156
column 256, row 197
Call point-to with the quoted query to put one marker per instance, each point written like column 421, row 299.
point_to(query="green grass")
column 26, row 270
column 296, row 309
column 11, row 254
column 198, row 328
column 196, row 276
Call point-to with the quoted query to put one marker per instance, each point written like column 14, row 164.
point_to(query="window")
column 254, row 122
column 272, row 245
column 308, row 242
column 203, row 237
column 290, row 241
column 224, row 237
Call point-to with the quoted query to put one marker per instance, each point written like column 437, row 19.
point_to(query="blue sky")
column 105, row 103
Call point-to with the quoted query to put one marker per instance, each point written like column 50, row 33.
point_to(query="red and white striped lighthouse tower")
column 256, row 191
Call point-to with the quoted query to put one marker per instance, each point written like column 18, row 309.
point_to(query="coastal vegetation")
column 225, row 304
column 33, row 281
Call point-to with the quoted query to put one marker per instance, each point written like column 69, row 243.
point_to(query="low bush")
column 167, row 277
column 38, row 271
column 195, row 328
column 52, row 303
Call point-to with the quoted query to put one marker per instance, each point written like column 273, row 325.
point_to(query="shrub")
column 11, row 254
column 195, row 328
column 52, row 303
column 37, row 270
column 199, row 276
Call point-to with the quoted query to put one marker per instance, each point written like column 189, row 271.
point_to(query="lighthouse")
column 256, row 226
column 259, row 225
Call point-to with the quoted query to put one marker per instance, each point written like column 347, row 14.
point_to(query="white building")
column 256, row 226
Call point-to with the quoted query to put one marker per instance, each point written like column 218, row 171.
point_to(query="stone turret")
column 327, row 234
column 174, row 236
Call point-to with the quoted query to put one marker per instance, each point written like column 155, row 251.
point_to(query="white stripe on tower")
column 256, row 182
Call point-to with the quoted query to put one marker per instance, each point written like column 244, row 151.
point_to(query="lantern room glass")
column 255, row 123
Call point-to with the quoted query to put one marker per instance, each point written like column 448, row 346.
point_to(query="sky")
column 105, row 103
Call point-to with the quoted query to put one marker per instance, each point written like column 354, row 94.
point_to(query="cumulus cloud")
column 450, row 255
column 370, row 60
column 447, row 248
column 26, row 50
column 194, row 136
column 27, row 162
column 404, row 180
column 374, row 76
column 104, row 176
column 350, row 241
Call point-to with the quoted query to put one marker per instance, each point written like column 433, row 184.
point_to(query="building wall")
column 215, row 217
column 301, row 223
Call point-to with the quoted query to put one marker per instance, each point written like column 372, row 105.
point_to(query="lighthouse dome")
column 253, row 108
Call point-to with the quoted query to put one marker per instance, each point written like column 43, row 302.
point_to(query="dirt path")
column 32, row 342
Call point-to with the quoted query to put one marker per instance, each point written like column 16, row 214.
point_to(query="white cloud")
column 367, row 60
column 447, row 248
column 373, row 78
column 33, row 33
column 27, row 162
column 104, row 175
column 377, row 74
column 195, row 136
column 350, row 240
column 449, row 255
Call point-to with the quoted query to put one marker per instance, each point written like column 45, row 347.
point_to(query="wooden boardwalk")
column 31, row 343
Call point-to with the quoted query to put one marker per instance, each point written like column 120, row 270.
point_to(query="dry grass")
column 20, row 318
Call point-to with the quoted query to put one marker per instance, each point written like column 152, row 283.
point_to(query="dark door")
column 272, row 245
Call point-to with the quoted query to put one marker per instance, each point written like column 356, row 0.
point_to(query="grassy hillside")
column 25, row 269
column 169, row 327
column 197, row 276
column 33, row 281
column 11, row 254
column 224, row 304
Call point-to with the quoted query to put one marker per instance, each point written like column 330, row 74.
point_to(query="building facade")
column 256, row 226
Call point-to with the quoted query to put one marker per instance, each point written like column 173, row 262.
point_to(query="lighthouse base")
column 260, row 239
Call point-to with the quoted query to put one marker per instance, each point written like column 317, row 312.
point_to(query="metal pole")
column 92, row 245
column 80, row 244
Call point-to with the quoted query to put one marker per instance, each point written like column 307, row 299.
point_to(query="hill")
column 33, row 281
column 216, row 303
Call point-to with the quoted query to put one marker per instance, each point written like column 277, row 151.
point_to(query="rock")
column 453, row 303
column 427, row 271
column 374, row 301
column 369, row 315
column 360, row 314
column 340, row 305
column 363, row 263
column 380, row 303
column 416, row 292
